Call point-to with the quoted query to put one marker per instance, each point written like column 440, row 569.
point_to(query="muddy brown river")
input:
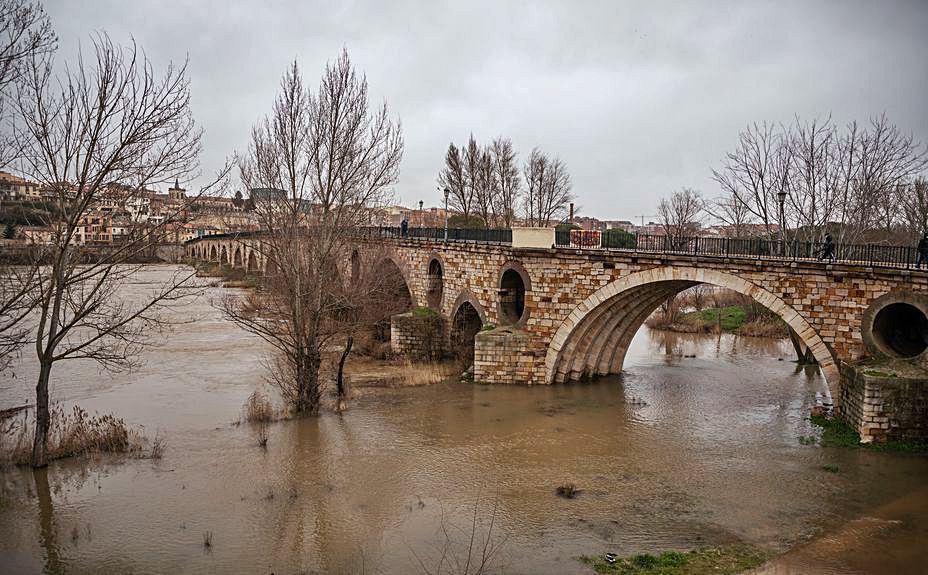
column 696, row 443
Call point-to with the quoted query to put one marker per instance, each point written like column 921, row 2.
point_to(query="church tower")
column 177, row 192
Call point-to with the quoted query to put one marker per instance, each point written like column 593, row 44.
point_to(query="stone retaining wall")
column 419, row 337
column 884, row 408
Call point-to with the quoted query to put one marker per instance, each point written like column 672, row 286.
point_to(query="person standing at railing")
column 404, row 227
column 922, row 251
column 828, row 250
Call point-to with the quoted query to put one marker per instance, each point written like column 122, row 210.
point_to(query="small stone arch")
column 895, row 325
column 354, row 263
column 435, row 272
column 467, row 319
column 514, row 284
column 213, row 254
column 468, row 296
column 223, row 255
column 237, row 259
column 252, row 262
column 593, row 339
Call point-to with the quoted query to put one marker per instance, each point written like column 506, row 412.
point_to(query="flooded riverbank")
column 696, row 443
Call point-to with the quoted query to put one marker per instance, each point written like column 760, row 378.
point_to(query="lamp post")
column 781, row 195
column 420, row 214
column 447, row 192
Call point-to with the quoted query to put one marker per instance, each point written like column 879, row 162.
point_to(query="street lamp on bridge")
column 781, row 195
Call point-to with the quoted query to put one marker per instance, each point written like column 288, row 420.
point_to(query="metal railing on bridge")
column 760, row 248
column 872, row 255
column 487, row 236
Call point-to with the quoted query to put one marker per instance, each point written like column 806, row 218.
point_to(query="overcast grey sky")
column 638, row 98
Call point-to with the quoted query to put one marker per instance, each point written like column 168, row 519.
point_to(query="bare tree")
column 473, row 157
column 842, row 179
column 913, row 199
column 754, row 173
column 452, row 178
column 548, row 192
column 486, row 188
column 507, row 179
column 681, row 215
column 25, row 33
column 96, row 136
column 321, row 162
column 734, row 213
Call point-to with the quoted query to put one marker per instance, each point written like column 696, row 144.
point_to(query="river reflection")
column 696, row 443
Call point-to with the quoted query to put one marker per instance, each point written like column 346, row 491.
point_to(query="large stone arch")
column 213, row 254
column 238, row 260
column 401, row 265
column 593, row 339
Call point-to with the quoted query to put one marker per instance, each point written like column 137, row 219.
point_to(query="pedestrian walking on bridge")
column 828, row 250
column 922, row 251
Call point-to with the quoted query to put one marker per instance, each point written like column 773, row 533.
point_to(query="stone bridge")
column 542, row 315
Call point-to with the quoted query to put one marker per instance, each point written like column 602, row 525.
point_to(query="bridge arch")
column 435, row 287
column 252, row 262
column 514, row 283
column 237, row 259
column 392, row 264
column 593, row 339
column 213, row 254
column 223, row 255
column 467, row 319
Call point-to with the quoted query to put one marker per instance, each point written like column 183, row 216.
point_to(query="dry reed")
column 70, row 434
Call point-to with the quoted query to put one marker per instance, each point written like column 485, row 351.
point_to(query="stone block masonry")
column 417, row 336
column 505, row 355
column 882, row 406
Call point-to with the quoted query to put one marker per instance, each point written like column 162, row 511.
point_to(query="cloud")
column 638, row 99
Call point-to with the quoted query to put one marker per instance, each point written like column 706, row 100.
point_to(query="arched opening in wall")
column 252, row 262
column 465, row 324
column 355, row 266
column 393, row 296
column 594, row 340
column 213, row 256
column 223, row 256
column 237, row 259
column 435, row 284
column 900, row 330
column 511, row 297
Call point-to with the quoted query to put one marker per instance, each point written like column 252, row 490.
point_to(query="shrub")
column 258, row 408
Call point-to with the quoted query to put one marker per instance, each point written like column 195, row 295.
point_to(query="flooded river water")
column 677, row 452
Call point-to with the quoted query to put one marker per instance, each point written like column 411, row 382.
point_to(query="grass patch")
column 423, row 312
column 732, row 317
column 723, row 560
column 837, row 433
column 426, row 373
column 830, row 469
column 488, row 327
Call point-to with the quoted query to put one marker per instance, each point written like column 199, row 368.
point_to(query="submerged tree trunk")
column 42, row 417
column 340, row 381
column 340, row 378
column 308, row 382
